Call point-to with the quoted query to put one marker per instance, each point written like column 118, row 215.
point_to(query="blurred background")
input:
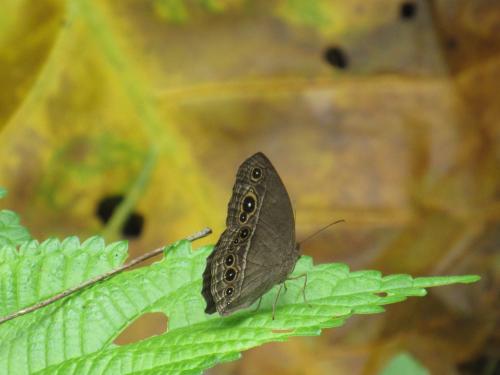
column 130, row 118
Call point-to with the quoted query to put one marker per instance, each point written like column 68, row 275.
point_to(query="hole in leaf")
column 382, row 294
column 289, row 330
column 408, row 10
column 336, row 57
column 147, row 325
column 105, row 209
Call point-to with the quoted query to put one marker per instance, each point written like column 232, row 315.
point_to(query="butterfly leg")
column 304, row 275
column 276, row 299
column 258, row 305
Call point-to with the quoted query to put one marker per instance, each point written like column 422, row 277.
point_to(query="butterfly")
column 258, row 249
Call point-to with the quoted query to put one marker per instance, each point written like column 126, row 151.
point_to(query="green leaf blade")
column 429, row 282
column 11, row 231
column 195, row 341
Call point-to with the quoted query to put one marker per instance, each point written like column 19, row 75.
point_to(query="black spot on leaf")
column 133, row 225
column 407, row 10
column 106, row 207
column 336, row 57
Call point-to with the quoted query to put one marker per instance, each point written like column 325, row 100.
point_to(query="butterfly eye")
column 229, row 260
column 248, row 204
column 229, row 291
column 244, row 232
column 243, row 217
column 230, row 274
column 256, row 174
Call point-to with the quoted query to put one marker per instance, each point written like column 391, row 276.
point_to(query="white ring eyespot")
column 230, row 274
column 244, row 233
column 229, row 261
column 248, row 204
column 256, row 174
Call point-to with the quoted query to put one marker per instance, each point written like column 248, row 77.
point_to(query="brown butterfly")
column 258, row 249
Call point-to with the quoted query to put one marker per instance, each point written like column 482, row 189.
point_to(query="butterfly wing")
column 258, row 249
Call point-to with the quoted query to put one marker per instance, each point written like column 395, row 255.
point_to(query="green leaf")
column 37, row 271
column 12, row 233
column 75, row 335
column 404, row 363
column 3, row 192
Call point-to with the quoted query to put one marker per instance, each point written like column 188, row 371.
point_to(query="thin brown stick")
column 196, row 236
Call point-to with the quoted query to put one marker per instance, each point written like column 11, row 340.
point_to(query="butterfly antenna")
column 321, row 230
